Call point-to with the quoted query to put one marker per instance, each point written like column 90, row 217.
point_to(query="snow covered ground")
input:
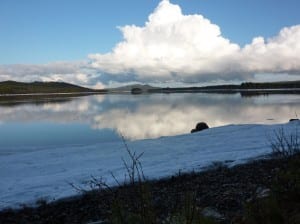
column 30, row 174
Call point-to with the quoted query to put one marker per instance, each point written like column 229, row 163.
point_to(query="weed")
column 285, row 144
column 282, row 206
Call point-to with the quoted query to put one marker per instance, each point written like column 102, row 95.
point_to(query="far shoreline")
column 14, row 88
column 162, row 91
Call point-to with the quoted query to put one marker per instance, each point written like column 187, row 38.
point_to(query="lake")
column 45, row 144
column 101, row 118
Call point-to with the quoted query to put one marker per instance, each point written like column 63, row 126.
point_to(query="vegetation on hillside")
column 292, row 85
column 12, row 87
column 270, row 85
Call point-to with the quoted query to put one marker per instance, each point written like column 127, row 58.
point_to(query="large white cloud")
column 280, row 54
column 173, row 48
column 170, row 44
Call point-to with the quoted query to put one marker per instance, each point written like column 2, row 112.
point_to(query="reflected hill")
column 12, row 101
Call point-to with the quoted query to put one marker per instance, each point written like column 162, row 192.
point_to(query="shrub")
column 285, row 143
column 282, row 206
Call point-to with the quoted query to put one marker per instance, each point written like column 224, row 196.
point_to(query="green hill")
column 13, row 87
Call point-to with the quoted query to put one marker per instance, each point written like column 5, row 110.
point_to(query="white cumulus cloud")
column 280, row 54
column 172, row 46
column 169, row 45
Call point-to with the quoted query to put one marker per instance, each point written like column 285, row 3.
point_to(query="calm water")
column 99, row 118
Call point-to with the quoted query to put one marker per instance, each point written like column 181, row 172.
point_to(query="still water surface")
column 99, row 118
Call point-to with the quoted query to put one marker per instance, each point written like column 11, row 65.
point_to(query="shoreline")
column 219, row 188
column 48, row 88
column 162, row 91
column 50, row 94
column 164, row 157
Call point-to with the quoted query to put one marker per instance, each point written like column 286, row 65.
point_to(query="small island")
column 136, row 91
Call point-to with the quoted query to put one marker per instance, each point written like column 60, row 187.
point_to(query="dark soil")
column 226, row 190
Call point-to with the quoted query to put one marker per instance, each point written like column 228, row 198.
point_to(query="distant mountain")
column 138, row 88
column 13, row 87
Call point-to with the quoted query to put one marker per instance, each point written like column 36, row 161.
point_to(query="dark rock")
column 294, row 119
column 199, row 127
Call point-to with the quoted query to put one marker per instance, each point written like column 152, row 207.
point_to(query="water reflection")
column 152, row 116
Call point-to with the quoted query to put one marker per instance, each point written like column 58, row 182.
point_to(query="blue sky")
column 35, row 31
column 46, row 31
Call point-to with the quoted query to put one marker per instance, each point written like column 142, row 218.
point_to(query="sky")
column 99, row 43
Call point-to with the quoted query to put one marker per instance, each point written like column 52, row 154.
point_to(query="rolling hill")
column 13, row 87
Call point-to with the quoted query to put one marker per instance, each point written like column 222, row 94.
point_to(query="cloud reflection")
column 152, row 116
